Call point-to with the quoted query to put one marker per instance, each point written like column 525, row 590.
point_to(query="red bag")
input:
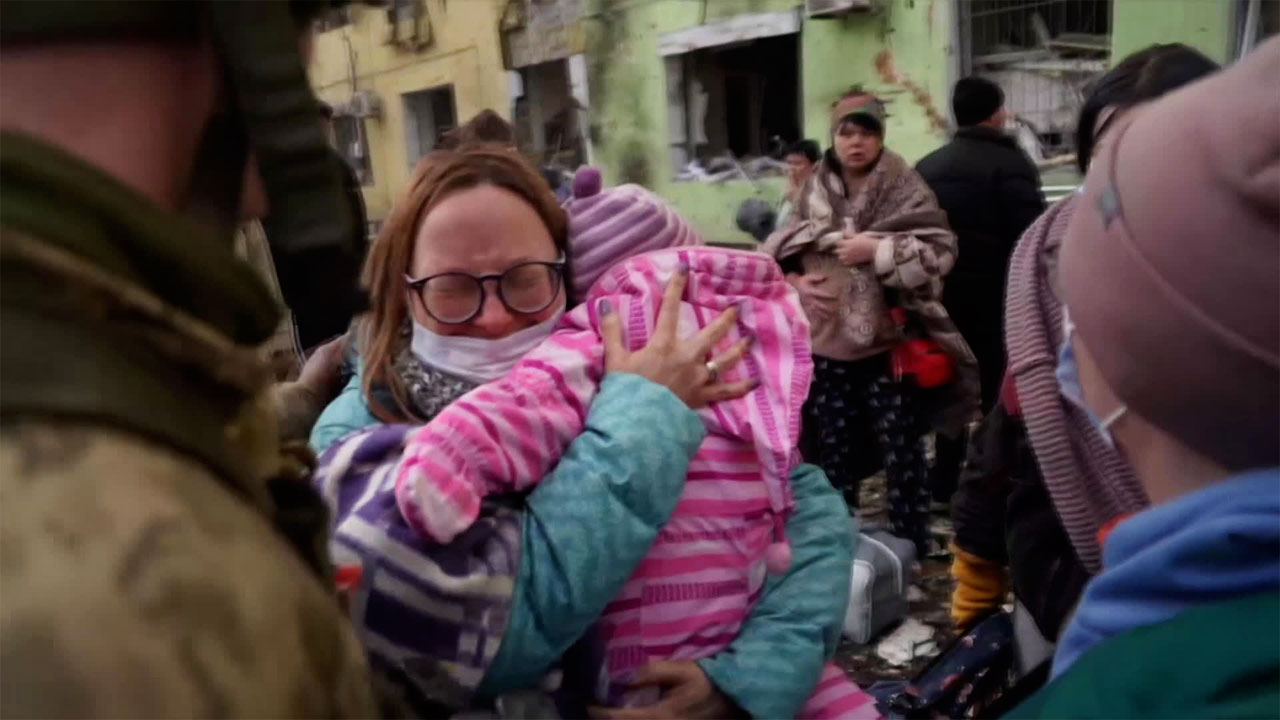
column 921, row 359
column 347, row 579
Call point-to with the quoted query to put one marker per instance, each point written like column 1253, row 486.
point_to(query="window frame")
column 680, row 52
column 414, row 150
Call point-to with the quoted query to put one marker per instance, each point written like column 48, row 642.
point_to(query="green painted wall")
column 900, row 51
column 1204, row 24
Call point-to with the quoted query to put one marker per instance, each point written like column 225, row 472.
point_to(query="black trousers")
column 851, row 399
column 985, row 337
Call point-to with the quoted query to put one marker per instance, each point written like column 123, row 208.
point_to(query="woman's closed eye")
column 525, row 277
column 450, row 286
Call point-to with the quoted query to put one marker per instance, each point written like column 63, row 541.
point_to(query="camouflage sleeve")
column 135, row 583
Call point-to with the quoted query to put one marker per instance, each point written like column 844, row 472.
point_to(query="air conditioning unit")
column 365, row 104
column 831, row 8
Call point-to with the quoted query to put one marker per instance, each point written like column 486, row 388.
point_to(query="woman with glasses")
column 467, row 275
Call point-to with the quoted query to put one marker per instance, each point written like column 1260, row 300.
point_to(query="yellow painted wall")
column 465, row 52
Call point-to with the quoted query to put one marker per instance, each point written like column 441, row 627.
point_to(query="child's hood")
column 768, row 311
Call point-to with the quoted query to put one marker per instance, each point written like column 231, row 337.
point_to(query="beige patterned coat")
column 916, row 252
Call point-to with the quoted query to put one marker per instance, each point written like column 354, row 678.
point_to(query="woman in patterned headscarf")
column 868, row 236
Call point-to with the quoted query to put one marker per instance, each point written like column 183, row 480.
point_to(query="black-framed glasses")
column 454, row 298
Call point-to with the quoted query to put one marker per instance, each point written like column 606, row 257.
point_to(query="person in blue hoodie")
column 1171, row 275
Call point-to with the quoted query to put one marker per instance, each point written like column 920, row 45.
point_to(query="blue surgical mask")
column 1068, row 374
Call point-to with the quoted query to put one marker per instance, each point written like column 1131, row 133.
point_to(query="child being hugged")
column 690, row 596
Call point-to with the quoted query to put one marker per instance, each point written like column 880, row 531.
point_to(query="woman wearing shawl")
column 868, row 236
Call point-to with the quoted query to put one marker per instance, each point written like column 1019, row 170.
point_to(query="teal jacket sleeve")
column 592, row 520
column 348, row 412
column 771, row 668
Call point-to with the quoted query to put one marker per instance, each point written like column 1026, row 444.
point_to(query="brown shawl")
column 896, row 205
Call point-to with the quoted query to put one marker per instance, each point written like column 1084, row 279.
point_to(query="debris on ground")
column 930, row 602
column 912, row 639
column 724, row 168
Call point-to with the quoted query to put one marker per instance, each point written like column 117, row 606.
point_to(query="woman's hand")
column 680, row 365
column 321, row 373
column 857, row 248
column 687, row 692
column 816, row 298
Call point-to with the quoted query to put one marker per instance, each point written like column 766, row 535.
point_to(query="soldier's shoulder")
column 142, row 585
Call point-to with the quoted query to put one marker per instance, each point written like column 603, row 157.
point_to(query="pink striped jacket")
column 690, row 595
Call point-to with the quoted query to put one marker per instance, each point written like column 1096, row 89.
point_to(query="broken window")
column 352, row 143
column 549, row 112
column 429, row 114
column 403, row 10
column 408, row 24
column 1043, row 54
column 734, row 96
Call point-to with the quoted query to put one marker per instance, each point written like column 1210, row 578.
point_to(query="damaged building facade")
column 695, row 98
column 397, row 77
column 694, row 92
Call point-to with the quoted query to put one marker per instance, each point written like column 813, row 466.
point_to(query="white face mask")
column 479, row 360
column 1068, row 374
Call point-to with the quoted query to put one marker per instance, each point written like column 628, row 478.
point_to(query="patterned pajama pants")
column 847, row 398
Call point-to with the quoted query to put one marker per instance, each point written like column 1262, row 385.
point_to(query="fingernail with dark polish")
column 755, row 383
column 683, row 268
column 750, row 338
column 606, row 307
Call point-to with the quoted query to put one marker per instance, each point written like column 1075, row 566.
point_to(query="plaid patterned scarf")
column 430, row 616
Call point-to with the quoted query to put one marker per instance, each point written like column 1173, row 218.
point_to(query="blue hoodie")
column 1207, row 546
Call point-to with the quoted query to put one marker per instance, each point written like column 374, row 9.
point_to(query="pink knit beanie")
column 609, row 226
column 1171, row 265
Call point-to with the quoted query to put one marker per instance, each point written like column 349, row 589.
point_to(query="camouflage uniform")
column 160, row 555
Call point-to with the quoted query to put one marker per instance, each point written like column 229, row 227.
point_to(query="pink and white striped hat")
column 609, row 226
